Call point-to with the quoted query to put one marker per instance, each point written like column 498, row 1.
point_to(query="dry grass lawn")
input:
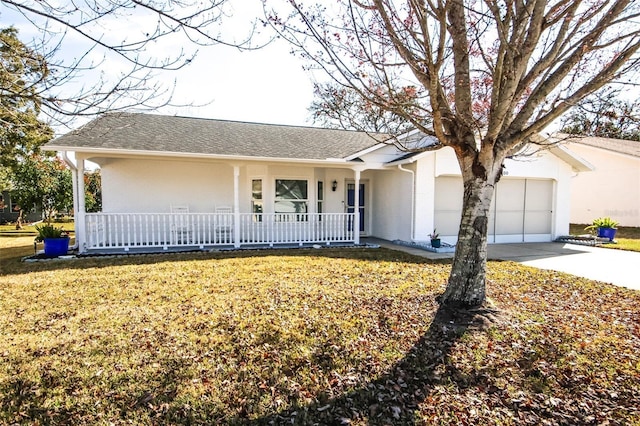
column 307, row 337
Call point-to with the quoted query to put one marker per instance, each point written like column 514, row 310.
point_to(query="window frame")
column 257, row 216
column 287, row 216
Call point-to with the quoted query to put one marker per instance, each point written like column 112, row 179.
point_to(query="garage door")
column 522, row 209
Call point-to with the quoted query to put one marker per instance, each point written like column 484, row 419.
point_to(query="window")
column 291, row 197
column 320, row 197
column 256, row 200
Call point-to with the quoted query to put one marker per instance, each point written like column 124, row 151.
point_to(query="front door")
column 351, row 201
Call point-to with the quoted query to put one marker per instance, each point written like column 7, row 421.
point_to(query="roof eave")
column 372, row 148
column 168, row 154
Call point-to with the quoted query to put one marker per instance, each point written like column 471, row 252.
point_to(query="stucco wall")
column 392, row 199
column 152, row 186
column 144, row 186
column 612, row 189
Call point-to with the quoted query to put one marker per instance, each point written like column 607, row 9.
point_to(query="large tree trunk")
column 466, row 286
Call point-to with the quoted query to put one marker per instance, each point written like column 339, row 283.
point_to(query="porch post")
column 236, row 206
column 80, row 214
column 356, row 205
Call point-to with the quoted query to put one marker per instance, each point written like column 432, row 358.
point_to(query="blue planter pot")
column 54, row 247
column 435, row 243
column 609, row 233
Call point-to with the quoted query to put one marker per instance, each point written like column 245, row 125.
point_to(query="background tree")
column 166, row 38
column 605, row 115
column 338, row 107
column 21, row 71
column 484, row 77
column 42, row 182
column 93, row 191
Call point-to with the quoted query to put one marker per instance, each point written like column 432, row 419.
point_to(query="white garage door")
column 521, row 211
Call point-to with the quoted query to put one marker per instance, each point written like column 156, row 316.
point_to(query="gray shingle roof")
column 616, row 145
column 149, row 132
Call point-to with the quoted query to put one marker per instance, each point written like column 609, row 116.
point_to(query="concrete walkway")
column 618, row 267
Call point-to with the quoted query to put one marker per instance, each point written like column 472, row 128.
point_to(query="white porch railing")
column 164, row 230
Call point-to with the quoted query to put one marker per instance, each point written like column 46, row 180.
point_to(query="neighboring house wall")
column 10, row 214
column 612, row 189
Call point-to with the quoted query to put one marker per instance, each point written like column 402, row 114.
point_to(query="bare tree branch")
column 121, row 67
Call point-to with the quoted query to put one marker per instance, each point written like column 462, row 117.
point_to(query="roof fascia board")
column 412, row 159
column 366, row 151
column 166, row 154
column 383, row 144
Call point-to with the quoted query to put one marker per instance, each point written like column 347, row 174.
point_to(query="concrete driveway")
column 617, row 267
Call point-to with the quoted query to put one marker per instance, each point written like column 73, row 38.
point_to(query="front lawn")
column 308, row 337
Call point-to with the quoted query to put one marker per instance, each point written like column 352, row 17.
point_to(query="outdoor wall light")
column 334, row 185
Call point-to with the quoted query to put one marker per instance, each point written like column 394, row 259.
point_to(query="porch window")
column 256, row 200
column 291, row 199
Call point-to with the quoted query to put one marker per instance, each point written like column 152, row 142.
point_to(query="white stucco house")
column 613, row 188
column 185, row 182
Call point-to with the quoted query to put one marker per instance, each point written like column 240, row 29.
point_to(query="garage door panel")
column 539, row 205
column 509, row 222
column 510, row 194
column 539, row 195
column 521, row 209
column 509, row 199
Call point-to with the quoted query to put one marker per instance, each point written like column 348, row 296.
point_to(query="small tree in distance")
column 484, row 78
column 339, row 107
column 605, row 115
column 93, row 191
column 43, row 182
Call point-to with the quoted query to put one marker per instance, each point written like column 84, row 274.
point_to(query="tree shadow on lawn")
column 395, row 397
column 14, row 265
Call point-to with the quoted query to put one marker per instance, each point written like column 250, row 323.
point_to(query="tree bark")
column 466, row 285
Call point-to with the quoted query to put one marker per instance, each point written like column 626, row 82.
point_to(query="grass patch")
column 30, row 229
column 308, row 337
column 627, row 237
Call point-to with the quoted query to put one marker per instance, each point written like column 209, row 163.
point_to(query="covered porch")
column 223, row 205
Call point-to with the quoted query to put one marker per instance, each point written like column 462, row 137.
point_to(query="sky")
column 267, row 85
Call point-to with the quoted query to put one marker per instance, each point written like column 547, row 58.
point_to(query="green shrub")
column 602, row 222
column 49, row 231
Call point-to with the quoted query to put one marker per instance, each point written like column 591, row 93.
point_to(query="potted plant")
column 435, row 239
column 606, row 227
column 56, row 240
